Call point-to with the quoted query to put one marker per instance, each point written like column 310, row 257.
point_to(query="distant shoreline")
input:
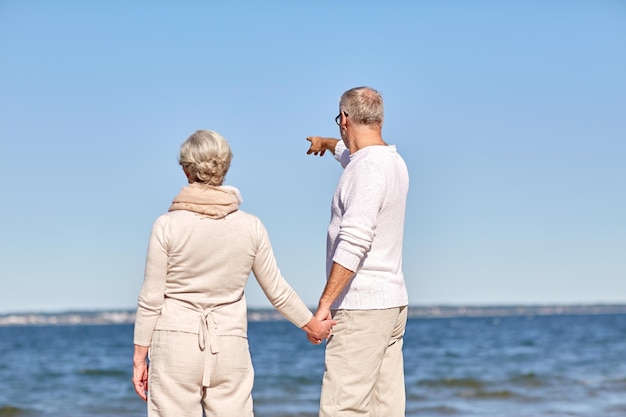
column 103, row 317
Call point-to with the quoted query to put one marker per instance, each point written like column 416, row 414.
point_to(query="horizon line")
column 127, row 316
column 75, row 310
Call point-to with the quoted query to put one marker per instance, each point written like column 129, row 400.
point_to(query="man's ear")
column 343, row 123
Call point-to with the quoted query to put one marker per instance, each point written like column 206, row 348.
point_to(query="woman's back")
column 209, row 260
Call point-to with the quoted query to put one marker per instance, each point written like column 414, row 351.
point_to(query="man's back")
column 366, row 229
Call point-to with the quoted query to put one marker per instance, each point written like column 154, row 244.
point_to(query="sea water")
column 526, row 366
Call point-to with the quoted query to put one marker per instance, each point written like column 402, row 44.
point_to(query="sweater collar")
column 208, row 200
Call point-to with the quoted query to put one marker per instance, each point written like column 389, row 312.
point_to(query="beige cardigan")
column 198, row 265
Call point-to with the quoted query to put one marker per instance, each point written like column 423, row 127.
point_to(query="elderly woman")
column 191, row 313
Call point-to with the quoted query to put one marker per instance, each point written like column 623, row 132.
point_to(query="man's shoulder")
column 377, row 155
column 379, row 162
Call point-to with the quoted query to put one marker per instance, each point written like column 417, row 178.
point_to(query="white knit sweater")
column 366, row 227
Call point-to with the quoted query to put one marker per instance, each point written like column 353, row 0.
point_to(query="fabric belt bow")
column 208, row 329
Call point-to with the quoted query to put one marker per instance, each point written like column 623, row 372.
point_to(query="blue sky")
column 510, row 116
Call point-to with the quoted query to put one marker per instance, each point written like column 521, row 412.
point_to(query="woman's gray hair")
column 363, row 105
column 205, row 156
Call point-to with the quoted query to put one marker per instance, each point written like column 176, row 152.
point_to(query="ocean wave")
column 441, row 410
column 487, row 394
column 616, row 408
column 528, row 380
column 103, row 372
column 481, row 389
column 10, row 411
column 452, row 383
column 525, row 380
column 616, row 384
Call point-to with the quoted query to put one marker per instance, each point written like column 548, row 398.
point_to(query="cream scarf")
column 208, row 200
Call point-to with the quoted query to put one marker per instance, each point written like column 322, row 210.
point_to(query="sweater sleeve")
column 276, row 288
column 362, row 195
column 152, row 294
column 342, row 154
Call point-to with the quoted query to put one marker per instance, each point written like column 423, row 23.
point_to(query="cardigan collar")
column 208, row 200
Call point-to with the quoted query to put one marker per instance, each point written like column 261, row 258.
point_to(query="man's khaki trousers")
column 364, row 373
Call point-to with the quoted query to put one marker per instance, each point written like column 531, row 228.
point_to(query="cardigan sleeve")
column 152, row 294
column 276, row 288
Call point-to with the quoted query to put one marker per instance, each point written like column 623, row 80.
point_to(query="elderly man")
column 365, row 290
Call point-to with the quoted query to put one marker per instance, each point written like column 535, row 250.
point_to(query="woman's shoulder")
column 245, row 219
column 243, row 216
column 180, row 217
column 249, row 220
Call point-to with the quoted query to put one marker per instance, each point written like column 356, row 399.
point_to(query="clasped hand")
column 320, row 326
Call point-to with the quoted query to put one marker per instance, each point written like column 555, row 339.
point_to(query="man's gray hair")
column 206, row 156
column 364, row 106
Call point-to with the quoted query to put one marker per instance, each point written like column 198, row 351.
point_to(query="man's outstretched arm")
column 320, row 145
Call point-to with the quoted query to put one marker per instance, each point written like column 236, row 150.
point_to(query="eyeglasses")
column 338, row 118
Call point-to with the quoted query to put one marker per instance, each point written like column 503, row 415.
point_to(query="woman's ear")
column 187, row 175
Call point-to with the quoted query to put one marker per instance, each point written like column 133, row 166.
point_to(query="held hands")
column 319, row 328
